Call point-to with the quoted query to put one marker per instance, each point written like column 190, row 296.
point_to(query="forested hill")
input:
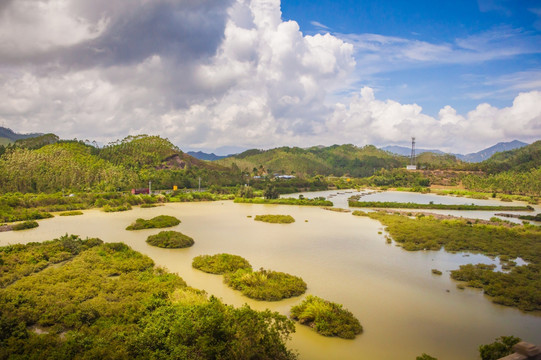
column 133, row 162
column 517, row 160
column 336, row 160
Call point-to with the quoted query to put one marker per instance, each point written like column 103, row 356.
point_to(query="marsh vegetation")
column 220, row 263
column 275, row 219
column 170, row 240
column 326, row 318
column 161, row 221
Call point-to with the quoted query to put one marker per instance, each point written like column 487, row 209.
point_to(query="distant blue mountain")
column 206, row 156
column 13, row 136
column 472, row 157
column 488, row 152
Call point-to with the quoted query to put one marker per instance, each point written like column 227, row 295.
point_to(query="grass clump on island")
column 161, row 221
column 265, row 285
column 286, row 201
column 119, row 208
column 109, row 291
column 326, row 318
column 410, row 205
column 220, row 263
column 275, row 219
column 71, row 213
column 520, row 287
column 170, row 240
column 30, row 224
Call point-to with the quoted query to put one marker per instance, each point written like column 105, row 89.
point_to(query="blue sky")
column 228, row 75
column 505, row 58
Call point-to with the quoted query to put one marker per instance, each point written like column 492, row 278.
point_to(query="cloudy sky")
column 227, row 75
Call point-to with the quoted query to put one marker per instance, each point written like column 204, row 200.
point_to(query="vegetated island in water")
column 161, row 221
column 25, row 225
column 220, row 263
column 108, row 291
column 71, row 213
column 326, row 318
column 170, row 240
column 275, row 219
column 320, row 201
column 265, row 285
column 410, row 205
column 520, row 287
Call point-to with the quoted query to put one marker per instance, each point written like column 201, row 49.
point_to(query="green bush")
column 161, row 221
column 220, row 263
column 498, row 349
column 119, row 208
column 265, row 284
column 436, row 272
column 71, row 213
column 326, row 318
column 25, row 225
column 286, row 201
column 275, row 219
column 170, row 240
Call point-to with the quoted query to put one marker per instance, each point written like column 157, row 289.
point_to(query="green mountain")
column 132, row 162
column 518, row 160
column 338, row 160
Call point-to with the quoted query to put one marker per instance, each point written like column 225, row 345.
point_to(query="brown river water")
column 405, row 309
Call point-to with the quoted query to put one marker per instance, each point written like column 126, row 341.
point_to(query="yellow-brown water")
column 405, row 309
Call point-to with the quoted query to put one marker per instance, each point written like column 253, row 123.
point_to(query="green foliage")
column 214, row 331
column 327, row 318
column 220, row 263
column 275, row 219
column 530, row 217
column 271, row 192
column 37, row 142
column 71, row 213
column 338, row 160
column 509, row 182
column 286, row 201
column 51, row 168
column 170, row 239
column 436, row 272
column 397, row 178
column 22, row 260
column 518, row 160
column 110, row 302
column 425, row 357
column 265, row 284
column 246, row 192
column 161, row 221
column 140, row 151
column 521, row 287
column 498, row 349
column 410, row 205
column 25, row 225
column 119, row 208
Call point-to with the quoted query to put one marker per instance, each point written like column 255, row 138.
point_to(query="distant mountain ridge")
column 13, row 136
column 472, row 157
column 206, row 156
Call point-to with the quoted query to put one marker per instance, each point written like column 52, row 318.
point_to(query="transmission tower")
column 412, row 165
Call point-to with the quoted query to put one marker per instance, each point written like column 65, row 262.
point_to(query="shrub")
column 108, row 208
column 170, row 240
column 498, row 349
column 436, row 272
column 71, row 213
column 220, row 263
column 275, row 219
column 265, row 284
column 326, row 318
column 25, row 225
column 161, row 221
